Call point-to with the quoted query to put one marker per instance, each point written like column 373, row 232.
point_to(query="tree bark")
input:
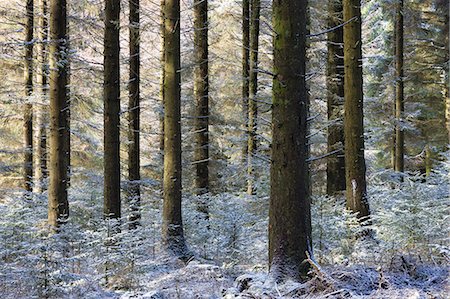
column 289, row 213
column 172, row 226
column 111, row 94
column 58, row 205
column 399, row 90
column 134, row 191
column 245, row 69
column 201, row 94
column 42, row 117
column 335, row 100
column 355, row 165
column 161, row 118
column 28, row 110
column 253, row 88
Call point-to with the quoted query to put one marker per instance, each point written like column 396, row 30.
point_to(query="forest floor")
column 202, row 280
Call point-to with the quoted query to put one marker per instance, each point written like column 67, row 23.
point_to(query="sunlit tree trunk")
column 58, row 205
column 172, row 226
column 289, row 213
column 335, row 99
column 355, row 165
column 253, row 88
column 28, row 109
column 201, row 90
column 111, row 95
column 134, row 177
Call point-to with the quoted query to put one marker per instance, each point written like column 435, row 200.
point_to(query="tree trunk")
column 111, row 94
column 134, row 177
column 172, row 226
column 399, row 90
column 355, row 165
column 42, row 117
column 245, row 69
column 289, row 213
column 335, row 100
column 58, row 205
column 28, row 110
column 161, row 118
column 201, row 89
column 253, row 88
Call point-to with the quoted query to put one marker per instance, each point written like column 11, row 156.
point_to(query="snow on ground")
column 200, row 280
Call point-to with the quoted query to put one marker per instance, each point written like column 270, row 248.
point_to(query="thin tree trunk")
column 355, row 164
column 134, row 177
column 172, row 226
column 161, row 118
column 399, row 91
column 253, row 88
column 335, row 100
column 289, row 213
column 28, row 110
column 245, row 69
column 111, row 94
column 201, row 90
column 42, row 117
column 58, row 205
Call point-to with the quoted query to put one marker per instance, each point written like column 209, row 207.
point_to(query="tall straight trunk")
column 355, row 164
column 399, row 90
column 253, row 87
column 201, row 89
column 28, row 110
column 245, row 69
column 111, row 97
column 161, row 118
column 134, row 177
column 42, row 118
column 335, row 99
column 172, row 226
column 58, row 205
column 444, row 6
column 289, row 213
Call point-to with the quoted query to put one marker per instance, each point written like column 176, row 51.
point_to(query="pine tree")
column 201, row 90
column 111, row 96
column 28, row 110
column 399, row 90
column 355, row 164
column 289, row 213
column 245, row 68
column 172, row 226
column 134, row 177
column 42, row 121
column 255, row 9
column 58, row 205
column 335, row 98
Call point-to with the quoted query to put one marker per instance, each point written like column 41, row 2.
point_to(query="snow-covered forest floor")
column 406, row 256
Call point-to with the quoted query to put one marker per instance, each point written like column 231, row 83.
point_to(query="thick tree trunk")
column 134, row 176
column 28, row 110
column 355, row 165
column 253, row 88
column 245, row 69
column 201, row 90
column 335, row 100
column 289, row 214
column 111, row 94
column 399, row 90
column 58, row 205
column 172, row 226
